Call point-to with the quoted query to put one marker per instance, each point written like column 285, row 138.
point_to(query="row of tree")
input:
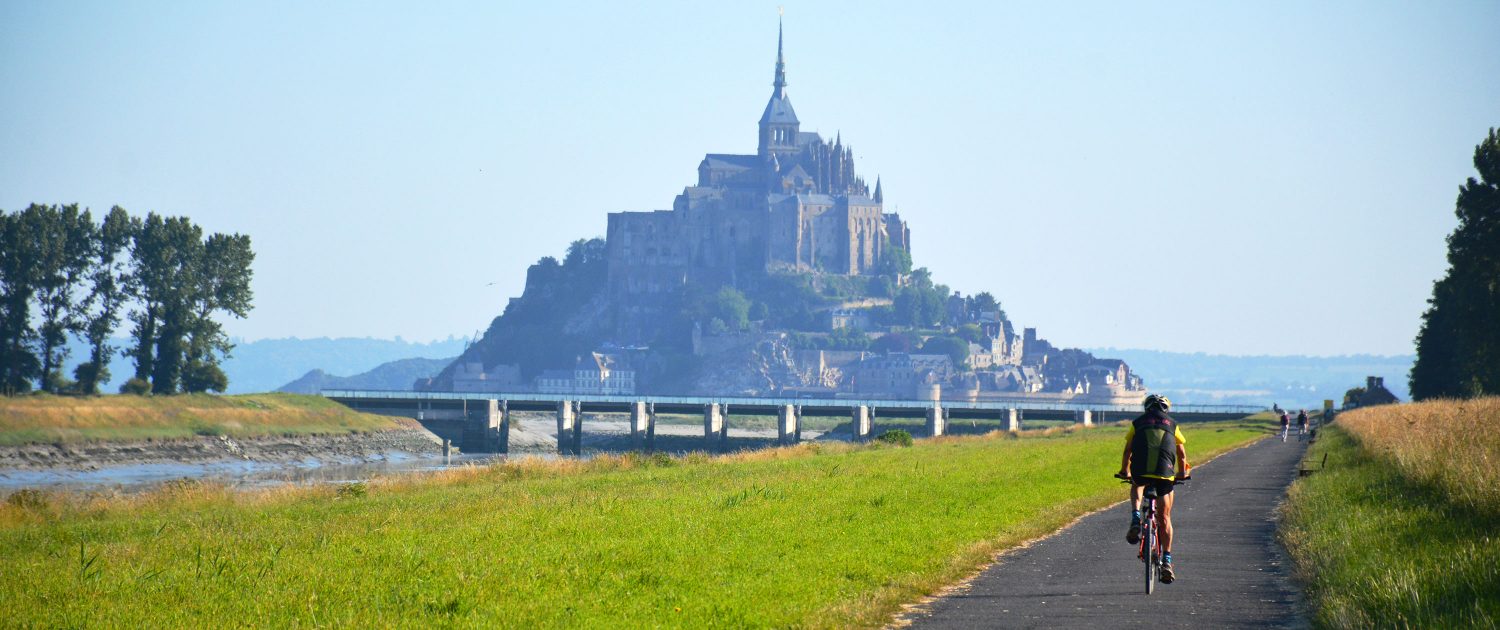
column 62, row 274
column 1458, row 347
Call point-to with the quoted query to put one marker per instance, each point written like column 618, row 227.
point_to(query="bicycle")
column 1150, row 551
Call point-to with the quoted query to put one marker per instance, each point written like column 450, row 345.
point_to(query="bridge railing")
column 757, row 401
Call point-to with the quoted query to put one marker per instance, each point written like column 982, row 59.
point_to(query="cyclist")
column 1301, row 423
column 1286, row 423
column 1154, row 454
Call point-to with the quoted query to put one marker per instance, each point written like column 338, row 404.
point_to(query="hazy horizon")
column 1292, row 167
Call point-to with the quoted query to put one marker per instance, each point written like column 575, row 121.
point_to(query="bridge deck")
column 521, row 401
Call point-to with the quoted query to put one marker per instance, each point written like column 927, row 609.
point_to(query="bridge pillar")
column 1013, row 420
column 640, row 424
column 502, row 441
column 787, row 424
column 715, row 431
column 1086, row 417
column 567, row 427
column 937, row 423
column 860, row 423
column 650, row 426
column 482, row 432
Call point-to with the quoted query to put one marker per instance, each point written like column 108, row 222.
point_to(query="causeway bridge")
column 480, row 422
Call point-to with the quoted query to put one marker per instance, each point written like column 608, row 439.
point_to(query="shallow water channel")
column 236, row 473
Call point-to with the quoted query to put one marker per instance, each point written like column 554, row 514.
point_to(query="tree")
column 896, row 342
column 180, row 281
column 106, row 300
column 166, row 256
column 895, row 262
column 63, row 256
column 222, row 285
column 20, row 236
column 956, row 349
column 727, row 305
column 1458, row 346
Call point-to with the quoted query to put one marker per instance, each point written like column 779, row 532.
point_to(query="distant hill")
column 393, row 375
column 1291, row 381
column 264, row 365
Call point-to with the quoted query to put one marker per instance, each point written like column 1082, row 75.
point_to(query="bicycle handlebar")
column 1128, row 479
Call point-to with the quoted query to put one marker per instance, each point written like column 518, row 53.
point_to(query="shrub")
column 136, row 386
column 28, row 499
column 353, row 490
column 895, row 437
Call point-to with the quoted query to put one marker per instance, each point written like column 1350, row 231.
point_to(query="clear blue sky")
column 1266, row 177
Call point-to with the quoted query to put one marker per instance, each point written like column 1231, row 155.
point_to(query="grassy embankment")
column 814, row 535
column 58, row 419
column 1402, row 529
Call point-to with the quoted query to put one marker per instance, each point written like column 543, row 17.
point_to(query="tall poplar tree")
column 19, row 238
column 1458, row 347
column 63, row 256
column 109, row 276
column 223, row 285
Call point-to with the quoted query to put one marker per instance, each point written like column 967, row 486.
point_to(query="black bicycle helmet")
column 1157, row 400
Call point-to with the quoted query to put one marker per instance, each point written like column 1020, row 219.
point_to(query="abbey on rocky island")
column 795, row 205
column 776, row 273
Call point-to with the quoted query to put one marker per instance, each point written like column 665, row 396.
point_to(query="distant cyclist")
column 1286, row 423
column 1301, row 423
column 1154, row 453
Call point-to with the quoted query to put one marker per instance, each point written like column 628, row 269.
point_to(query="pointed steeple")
column 879, row 195
column 780, row 83
column 778, row 124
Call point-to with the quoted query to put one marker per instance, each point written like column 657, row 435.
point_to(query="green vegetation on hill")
column 815, row 535
column 1402, row 528
column 47, row 419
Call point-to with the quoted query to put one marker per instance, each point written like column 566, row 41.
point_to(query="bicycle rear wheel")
column 1148, row 538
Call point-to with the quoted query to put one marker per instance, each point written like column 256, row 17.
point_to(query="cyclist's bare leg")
column 1135, row 496
column 1164, row 521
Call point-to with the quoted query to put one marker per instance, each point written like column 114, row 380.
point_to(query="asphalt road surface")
column 1230, row 570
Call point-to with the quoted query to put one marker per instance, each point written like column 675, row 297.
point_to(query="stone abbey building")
column 796, row 204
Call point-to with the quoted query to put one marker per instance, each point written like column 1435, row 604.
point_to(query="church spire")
column 879, row 197
column 778, row 124
column 780, row 83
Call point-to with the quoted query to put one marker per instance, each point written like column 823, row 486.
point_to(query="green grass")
column 1376, row 548
column 45, row 419
column 814, row 535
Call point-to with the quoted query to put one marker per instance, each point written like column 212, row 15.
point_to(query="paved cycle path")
column 1230, row 570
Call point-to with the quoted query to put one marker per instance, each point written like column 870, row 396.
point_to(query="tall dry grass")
column 1451, row 444
column 45, row 418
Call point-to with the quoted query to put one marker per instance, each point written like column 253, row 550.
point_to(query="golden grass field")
column 1401, row 529
column 64, row 419
column 1452, row 444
